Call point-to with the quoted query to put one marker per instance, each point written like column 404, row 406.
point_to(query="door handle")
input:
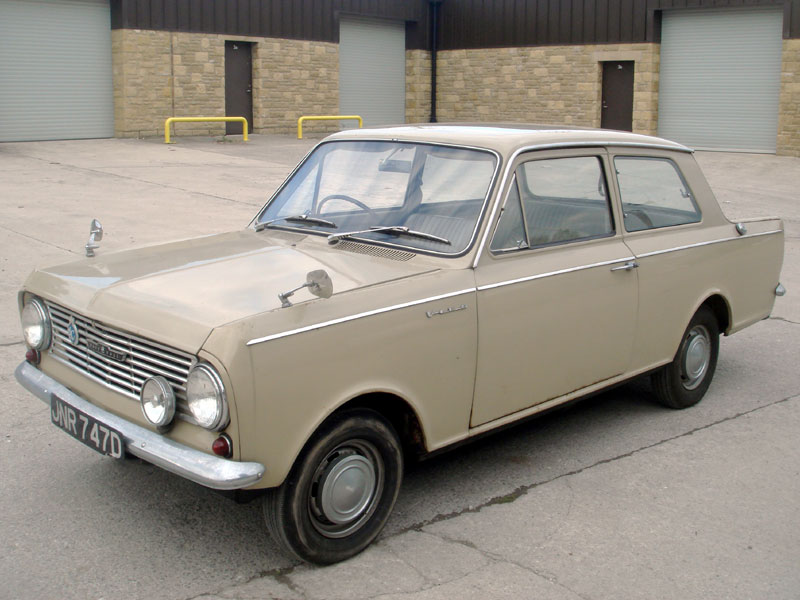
column 628, row 266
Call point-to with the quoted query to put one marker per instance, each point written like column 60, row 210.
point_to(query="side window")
column 510, row 233
column 654, row 193
column 564, row 199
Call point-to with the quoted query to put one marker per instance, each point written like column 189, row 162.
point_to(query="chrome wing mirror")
column 318, row 283
column 95, row 235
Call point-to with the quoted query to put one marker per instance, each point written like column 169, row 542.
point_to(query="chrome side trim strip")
column 205, row 469
column 490, row 286
column 369, row 313
column 709, row 243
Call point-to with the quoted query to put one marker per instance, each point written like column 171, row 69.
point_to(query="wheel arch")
column 398, row 412
column 718, row 305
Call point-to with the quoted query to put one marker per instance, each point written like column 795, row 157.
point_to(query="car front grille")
column 116, row 359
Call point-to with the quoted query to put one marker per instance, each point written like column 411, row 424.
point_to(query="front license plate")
column 84, row 428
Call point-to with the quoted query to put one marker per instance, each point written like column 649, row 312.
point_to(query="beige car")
column 405, row 289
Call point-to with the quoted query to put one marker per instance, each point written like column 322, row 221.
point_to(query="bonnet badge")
column 72, row 331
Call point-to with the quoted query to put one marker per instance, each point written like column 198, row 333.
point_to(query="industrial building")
column 713, row 74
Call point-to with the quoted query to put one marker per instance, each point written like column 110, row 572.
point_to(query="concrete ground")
column 612, row 498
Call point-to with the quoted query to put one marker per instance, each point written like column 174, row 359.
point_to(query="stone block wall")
column 789, row 103
column 142, row 73
column 159, row 74
column 418, row 86
column 292, row 78
column 545, row 84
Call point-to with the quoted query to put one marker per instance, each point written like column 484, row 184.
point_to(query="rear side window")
column 654, row 194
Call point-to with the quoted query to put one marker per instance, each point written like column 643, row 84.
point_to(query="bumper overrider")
column 206, row 469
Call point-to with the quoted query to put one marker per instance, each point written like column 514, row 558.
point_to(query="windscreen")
column 421, row 196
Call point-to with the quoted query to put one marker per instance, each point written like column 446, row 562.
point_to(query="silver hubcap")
column 346, row 489
column 696, row 357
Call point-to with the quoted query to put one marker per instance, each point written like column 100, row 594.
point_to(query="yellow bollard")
column 168, row 123
column 302, row 119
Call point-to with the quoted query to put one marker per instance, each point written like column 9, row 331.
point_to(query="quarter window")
column 654, row 194
column 510, row 234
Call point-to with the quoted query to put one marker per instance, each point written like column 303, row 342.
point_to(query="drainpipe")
column 434, row 27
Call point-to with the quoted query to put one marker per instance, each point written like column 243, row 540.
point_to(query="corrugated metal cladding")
column 720, row 78
column 293, row 19
column 509, row 23
column 55, row 70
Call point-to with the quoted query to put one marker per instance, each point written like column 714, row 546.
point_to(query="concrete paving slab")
column 498, row 580
column 684, row 519
column 129, row 530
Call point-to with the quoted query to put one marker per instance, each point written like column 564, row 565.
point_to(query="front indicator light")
column 36, row 328
column 222, row 446
column 206, row 398
column 33, row 356
column 158, row 401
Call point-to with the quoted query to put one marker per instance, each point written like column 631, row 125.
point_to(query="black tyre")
column 341, row 490
column 683, row 382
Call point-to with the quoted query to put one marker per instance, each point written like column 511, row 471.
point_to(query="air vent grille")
column 379, row 251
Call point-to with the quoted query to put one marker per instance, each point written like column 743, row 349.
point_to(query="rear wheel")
column 340, row 491
column 683, row 382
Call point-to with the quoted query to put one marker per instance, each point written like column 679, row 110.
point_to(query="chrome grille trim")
column 144, row 358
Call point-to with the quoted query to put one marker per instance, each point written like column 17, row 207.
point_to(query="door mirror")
column 319, row 283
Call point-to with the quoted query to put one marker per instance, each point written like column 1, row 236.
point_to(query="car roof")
column 508, row 138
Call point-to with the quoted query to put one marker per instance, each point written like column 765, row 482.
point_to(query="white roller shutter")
column 372, row 70
column 720, row 78
column 55, row 70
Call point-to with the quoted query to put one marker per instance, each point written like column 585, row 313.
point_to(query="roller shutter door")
column 720, row 78
column 55, row 70
column 372, row 70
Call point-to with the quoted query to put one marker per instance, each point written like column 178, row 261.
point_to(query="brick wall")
column 789, row 107
column 549, row 84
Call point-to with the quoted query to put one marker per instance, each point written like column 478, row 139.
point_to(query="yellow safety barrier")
column 325, row 118
column 168, row 123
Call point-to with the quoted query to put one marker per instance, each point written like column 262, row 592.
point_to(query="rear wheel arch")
column 721, row 309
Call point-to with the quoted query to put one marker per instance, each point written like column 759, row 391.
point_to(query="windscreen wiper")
column 395, row 229
column 304, row 218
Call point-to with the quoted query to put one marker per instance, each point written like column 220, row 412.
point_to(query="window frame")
column 604, row 160
column 652, row 157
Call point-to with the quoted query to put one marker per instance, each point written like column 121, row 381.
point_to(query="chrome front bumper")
column 205, row 469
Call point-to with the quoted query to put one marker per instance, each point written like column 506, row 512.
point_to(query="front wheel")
column 340, row 491
column 683, row 382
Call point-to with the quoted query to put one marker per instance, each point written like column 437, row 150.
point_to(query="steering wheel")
column 349, row 199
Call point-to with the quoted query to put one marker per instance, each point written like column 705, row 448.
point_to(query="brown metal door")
column 617, row 111
column 238, row 85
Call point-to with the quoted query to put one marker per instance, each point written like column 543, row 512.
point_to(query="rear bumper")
column 205, row 469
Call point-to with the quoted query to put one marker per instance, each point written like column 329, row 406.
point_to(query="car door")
column 557, row 286
column 674, row 243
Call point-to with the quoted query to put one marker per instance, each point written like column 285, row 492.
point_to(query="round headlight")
column 36, row 325
column 205, row 396
column 158, row 401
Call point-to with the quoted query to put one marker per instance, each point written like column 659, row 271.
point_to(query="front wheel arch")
column 341, row 489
